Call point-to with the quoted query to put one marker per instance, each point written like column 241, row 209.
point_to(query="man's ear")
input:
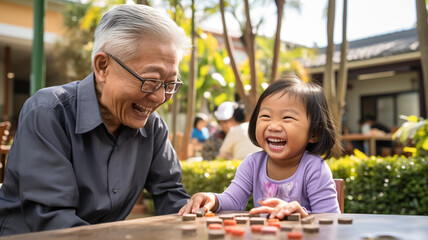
column 101, row 62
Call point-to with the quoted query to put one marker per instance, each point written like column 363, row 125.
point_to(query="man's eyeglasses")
column 149, row 85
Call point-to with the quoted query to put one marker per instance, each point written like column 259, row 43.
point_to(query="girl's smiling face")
column 282, row 128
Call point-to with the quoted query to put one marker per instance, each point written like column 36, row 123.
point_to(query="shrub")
column 391, row 185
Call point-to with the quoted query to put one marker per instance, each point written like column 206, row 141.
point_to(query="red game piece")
column 229, row 222
column 228, row 229
column 238, row 231
column 273, row 220
column 215, row 226
column 294, row 235
column 209, row 214
column 256, row 228
column 275, row 224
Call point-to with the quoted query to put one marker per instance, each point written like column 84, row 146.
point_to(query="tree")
column 422, row 26
column 249, row 33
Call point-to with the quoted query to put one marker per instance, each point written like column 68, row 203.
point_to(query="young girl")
column 293, row 125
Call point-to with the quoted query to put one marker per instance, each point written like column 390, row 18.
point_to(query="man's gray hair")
column 121, row 30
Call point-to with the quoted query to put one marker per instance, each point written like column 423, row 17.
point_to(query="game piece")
column 189, row 217
column 257, row 220
column 311, row 228
column 188, row 230
column 385, row 237
column 215, row 226
column 209, row 214
column 294, row 235
column 293, row 217
column 238, row 231
column 325, row 221
column 273, row 220
column 228, row 229
column 254, row 215
column 201, row 211
column 269, row 230
column 307, row 220
column 229, row 222
column 343, row 220
column 214, row 220
column 256, row 228
column 241, row 220
column 274, row 224
column 227, row 216
column 287, row 227
column 214, row 234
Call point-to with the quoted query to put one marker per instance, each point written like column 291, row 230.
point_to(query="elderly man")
column 84, row 151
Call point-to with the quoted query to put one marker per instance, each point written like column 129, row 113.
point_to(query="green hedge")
column 392, row 185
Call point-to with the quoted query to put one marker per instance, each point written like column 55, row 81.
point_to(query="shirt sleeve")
column 321, row 189
column 40, row 159
column 164, row 179
column 235, row 197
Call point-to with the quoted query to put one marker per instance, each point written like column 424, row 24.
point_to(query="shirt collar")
column 88, row 112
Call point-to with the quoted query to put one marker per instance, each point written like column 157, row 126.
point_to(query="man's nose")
column 158, row 95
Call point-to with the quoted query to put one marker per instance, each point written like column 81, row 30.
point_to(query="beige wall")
column 20, row 13
column 398, row 83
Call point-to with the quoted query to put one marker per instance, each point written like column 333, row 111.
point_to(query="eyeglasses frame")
column 143, row 80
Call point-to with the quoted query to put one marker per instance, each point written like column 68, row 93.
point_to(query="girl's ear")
column 315, row 136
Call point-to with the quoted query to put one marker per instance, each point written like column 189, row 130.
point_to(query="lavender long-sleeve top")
column 312, row 185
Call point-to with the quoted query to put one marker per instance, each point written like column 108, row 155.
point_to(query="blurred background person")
column 225, row 119
column 200, row 133
column 237, row 144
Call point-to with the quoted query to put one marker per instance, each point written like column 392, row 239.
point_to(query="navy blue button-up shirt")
column 65, row 169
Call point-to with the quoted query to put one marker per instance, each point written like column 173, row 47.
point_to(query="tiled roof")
column 390, row 44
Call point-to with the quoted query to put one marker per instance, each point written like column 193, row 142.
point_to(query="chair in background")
column 4, row 150
column 340, row 189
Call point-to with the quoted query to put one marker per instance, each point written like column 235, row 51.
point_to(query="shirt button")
column 114, row 189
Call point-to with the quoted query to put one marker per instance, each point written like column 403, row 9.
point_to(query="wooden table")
column 4, row 150
column 372, row 139
column 364, row 226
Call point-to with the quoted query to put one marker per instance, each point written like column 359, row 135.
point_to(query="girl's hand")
column 203, row 199
column 278, row 208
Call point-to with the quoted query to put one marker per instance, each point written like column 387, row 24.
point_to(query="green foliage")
column 392, row 185
column 414, row 132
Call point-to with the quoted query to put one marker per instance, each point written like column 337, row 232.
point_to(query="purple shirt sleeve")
column 311, row 185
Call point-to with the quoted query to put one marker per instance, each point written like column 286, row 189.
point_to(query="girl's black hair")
column 321, row 121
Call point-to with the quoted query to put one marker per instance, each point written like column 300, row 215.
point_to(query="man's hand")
column 203, row 199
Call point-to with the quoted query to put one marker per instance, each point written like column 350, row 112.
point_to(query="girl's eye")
column 288, row 117
column 264, row 116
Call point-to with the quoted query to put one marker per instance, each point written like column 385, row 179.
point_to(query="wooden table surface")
column 364, row 226
column 370, row 138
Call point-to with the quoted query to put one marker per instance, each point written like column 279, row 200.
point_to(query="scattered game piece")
column 293, row 217
column 269, row 230
column 256, row 228
column 311, row 228
column 325, row 221
column 201, row 211
column 385, row 237
column 273, row 220
column 214, row 220
column 189, row 217
column 254, row 215
column 227, row 216
column 344, row 220
column 287, row 227
column 209, row 214
column 294, row 235
column 257, row 220
column 307, row 220
column 214, row 233
column 215, row 226
column 238, row 231
column 228, row 229
column 274, row 224
column 229, row 222
column 241, row 220
column 188, row 230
